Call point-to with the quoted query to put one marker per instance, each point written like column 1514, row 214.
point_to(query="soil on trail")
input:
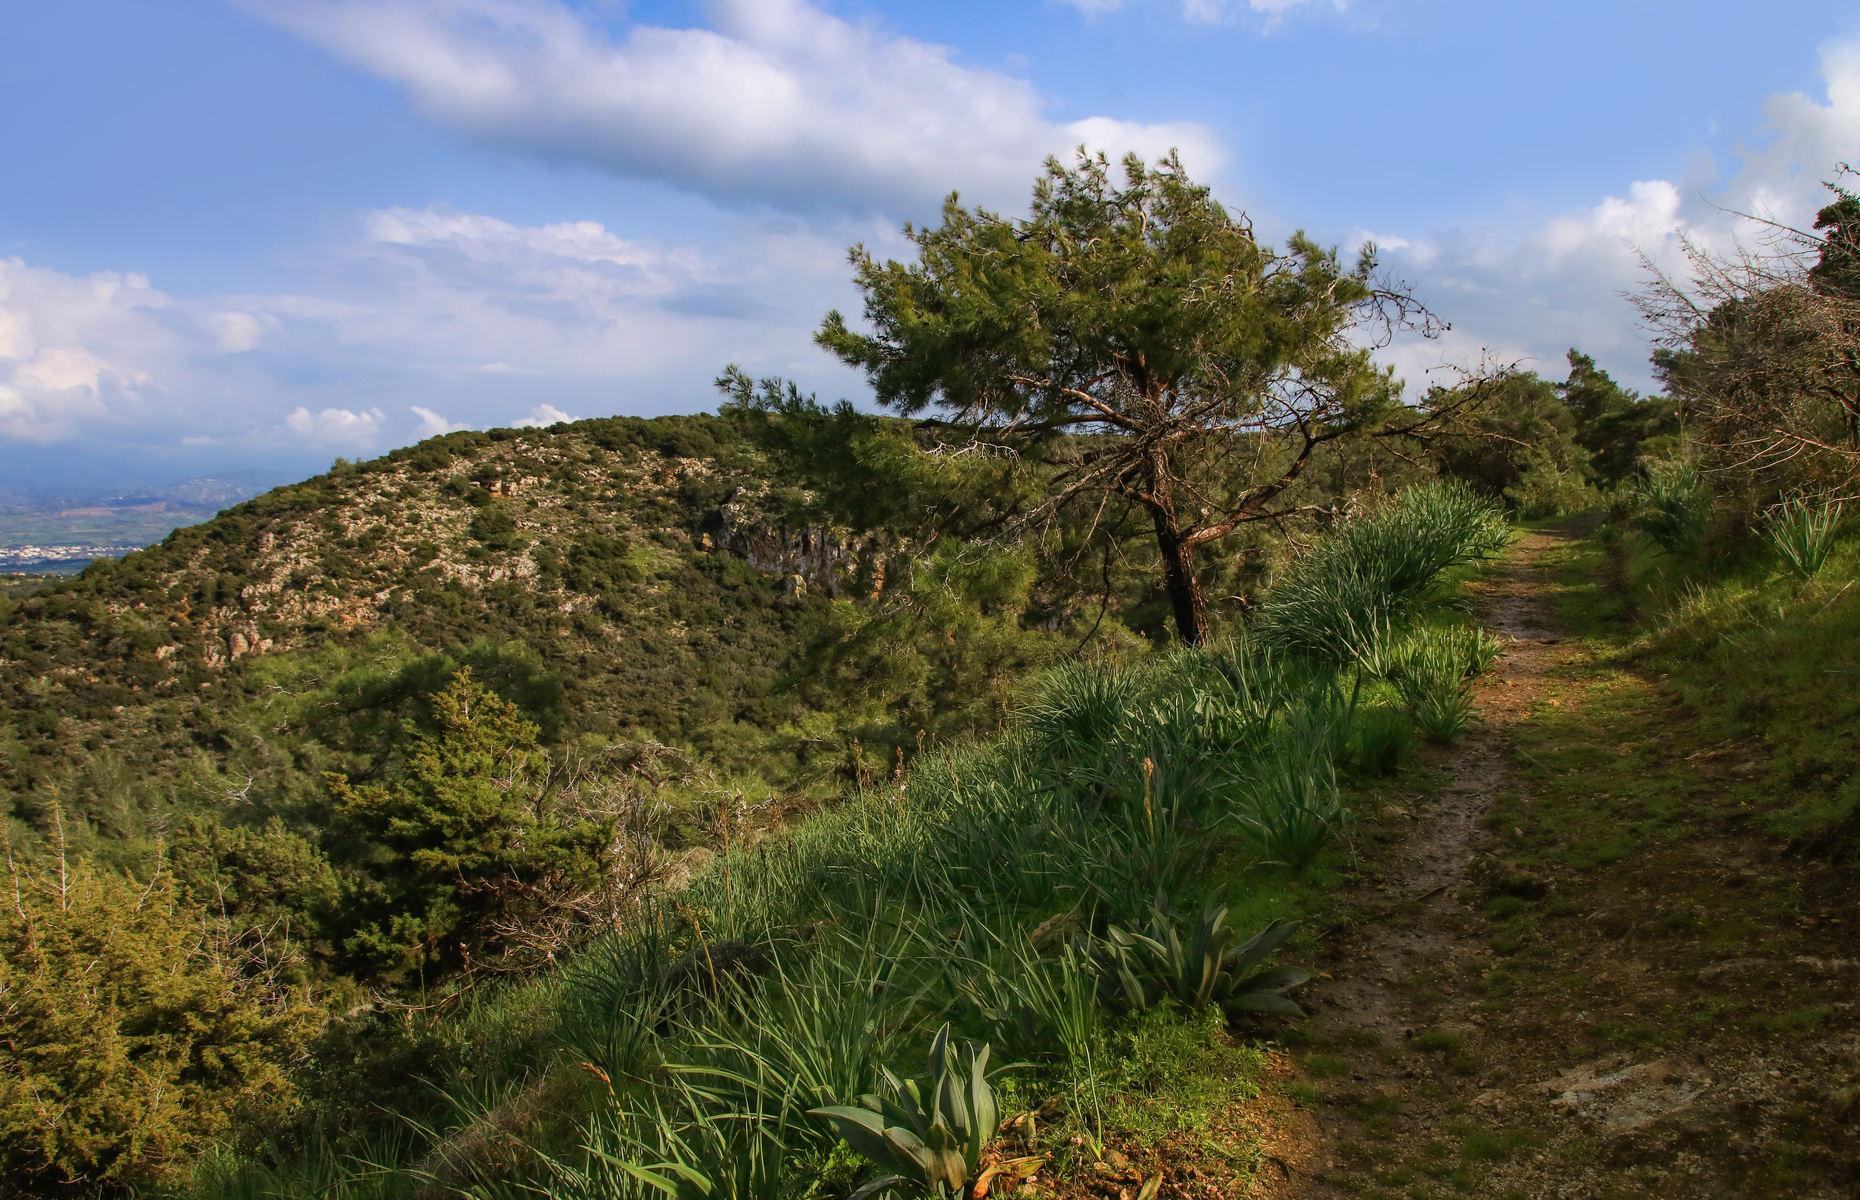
column 1574, row 1059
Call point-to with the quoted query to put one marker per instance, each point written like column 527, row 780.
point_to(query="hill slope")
column 621, row 577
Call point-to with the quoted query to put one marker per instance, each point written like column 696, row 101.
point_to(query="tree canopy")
column 1140, row 344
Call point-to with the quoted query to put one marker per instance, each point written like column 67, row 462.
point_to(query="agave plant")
column 1140, row 969
column 1803, row 535
column 929, row 1134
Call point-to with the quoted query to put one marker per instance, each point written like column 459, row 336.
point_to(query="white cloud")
column 777, row 101
column 452, row 319
column 75, row 350
column 337, row 427
column 432, row 424
column 1530, row 297
column 541, row 416
column 1203, row 12
column 1214, row 12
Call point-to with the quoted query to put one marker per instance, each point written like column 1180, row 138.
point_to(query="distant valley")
column 60, row 534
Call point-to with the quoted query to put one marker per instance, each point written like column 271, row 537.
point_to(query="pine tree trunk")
column 1178, row 559
column 1184, row 587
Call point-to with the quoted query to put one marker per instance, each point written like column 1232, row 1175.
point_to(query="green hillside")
column 594, row 559
column 702, row 806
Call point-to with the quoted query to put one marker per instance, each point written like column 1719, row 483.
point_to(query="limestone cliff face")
column 819, row 559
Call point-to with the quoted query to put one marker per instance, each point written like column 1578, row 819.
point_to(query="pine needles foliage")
column 135, row 1030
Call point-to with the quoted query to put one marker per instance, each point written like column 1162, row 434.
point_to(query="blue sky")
column 261, row 233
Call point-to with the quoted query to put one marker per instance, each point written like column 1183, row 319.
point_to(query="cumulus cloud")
column 542, row 416
column 468, row 296
column 432, row 424
column 1528, row 297
column 451, row 319
column 776, row 101
column 337, row 427
column 75, row 350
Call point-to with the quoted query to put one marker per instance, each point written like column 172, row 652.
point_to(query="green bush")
column 495, row 526
column 464, row 843
column 136, row 1029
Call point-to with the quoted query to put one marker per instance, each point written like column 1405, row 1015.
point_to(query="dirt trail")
column 1634, row 1042
column 1368, row 1010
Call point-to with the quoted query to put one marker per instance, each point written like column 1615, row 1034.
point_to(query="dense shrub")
column 462, row 842
column 136, row 1028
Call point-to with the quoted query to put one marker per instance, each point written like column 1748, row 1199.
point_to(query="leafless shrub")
column 1762, row 346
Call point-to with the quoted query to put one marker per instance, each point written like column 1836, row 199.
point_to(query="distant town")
column 58, row 559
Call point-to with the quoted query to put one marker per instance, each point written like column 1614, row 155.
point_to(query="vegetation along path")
column 1575, row 968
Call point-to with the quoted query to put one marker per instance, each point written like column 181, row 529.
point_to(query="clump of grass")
column 1672, row 505
column 1344, row 602
column 1802, row 535
column 1431, row 670
column 1292, row 806
column 1443, row 712
column 1438, row 1041
column 1385, row 740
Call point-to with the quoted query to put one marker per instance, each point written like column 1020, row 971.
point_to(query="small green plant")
column 1443, row 710
column 1803, row 535
column 928, row 1135
column 1302, row 1094
column 1385, row 740
column 1431, row 669
column 1672, row 505
column 1439, row 1041
column 1140, row 969
column 1292, row 806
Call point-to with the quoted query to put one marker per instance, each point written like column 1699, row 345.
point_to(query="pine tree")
column 463, row 841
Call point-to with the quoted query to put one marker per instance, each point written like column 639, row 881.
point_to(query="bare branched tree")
column 1762, row 346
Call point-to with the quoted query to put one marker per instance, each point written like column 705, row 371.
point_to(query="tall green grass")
column 1802, row 534
column 1345, row 603
column 1672, row 505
